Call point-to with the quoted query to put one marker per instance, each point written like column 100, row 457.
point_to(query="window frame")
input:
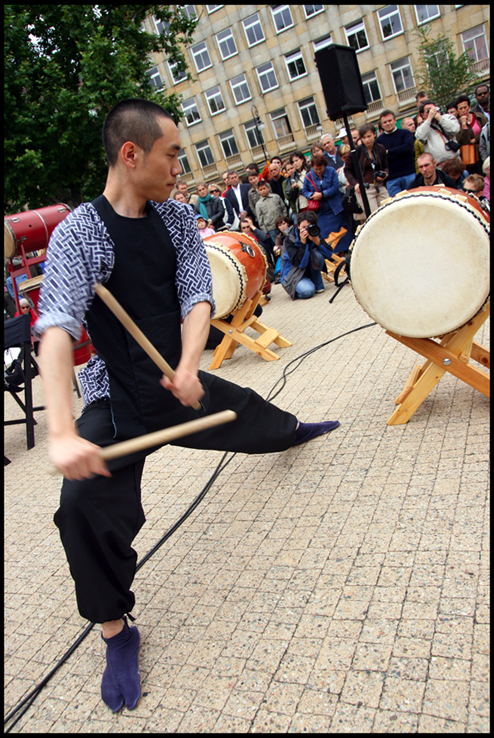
column 316, row 12
column 403, row 66
column 207, row 145
column 251, row 126
column 259, row 41
column 171, row 65
column 163, row 23
column 210, row 97
column 480, row 35
column 276, row 10
column 198, row 54
column 365, row 82
column 232, row 87
column 301, row 107
column 281, row 114
column 184, row 110
column 213, row 8
column 154, row 72
column 218, row 42
column 230, row 137
column 296, row 55
column 357, row 28
column 183, row 155
column 318, row 45
column 430, row 18
column 390, row 14
column 263, row 91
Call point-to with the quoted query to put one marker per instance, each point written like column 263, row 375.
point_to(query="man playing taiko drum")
column 146, row 249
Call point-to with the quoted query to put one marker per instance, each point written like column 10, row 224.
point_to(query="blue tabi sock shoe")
column 306, row 431
column 121, row 677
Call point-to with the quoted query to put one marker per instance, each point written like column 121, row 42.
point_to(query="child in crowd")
column 205, row 229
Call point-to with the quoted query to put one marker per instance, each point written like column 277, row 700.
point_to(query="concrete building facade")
column 257, row 92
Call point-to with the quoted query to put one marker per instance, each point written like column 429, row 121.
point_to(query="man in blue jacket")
column 399, row 144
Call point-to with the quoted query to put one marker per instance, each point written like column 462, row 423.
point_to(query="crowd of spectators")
column 278, row 205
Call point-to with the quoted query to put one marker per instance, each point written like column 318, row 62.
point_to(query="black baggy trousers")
column 98, row 518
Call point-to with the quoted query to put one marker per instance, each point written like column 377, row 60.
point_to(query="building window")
column 155, row 78
column 282, row 17
column 370, row 84
column 475, row 43
column 295, row 65
column 191, row 111
column 254, row 135
column 357, row 37
column 212, row 8
column 215, row 100
column 201, row 56
column 322, row 43
column 267, row 77
column 401, row 71
column 240, row 89
column 175, row 74
column 189, row 10
column 280, row 122
column 390, row 21
column 204, row 153
column 253, row 30
column 426, row 13
column 311, row 10
column 228, row 143
column 226, row 43
column 184, row 162
column 308, row 112
column 160, row 26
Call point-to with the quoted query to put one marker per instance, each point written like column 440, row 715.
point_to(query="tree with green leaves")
column 65, row 68
column 441, row 73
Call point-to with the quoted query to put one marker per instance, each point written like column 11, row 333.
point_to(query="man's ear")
column 129, row 154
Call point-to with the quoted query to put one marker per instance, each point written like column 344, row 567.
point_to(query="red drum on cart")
column 238, row 268
column 31, row 228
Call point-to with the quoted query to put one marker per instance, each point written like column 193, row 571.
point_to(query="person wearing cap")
column 344, row 137
column 26, row 308
column 204, row 228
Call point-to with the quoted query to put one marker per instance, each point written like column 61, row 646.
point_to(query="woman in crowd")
column 456, row 170
column 373, row 161
column 321, row 184
column 209, row 207
column 471, row 125
column 295, row 184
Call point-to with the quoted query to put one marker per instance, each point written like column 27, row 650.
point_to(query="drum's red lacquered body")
column 32, row 228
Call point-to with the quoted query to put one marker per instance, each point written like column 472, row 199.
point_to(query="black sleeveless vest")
column 143, row 282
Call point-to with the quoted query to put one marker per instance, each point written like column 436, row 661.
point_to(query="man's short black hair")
column 482, row 85
column 308, row 215
column 133, row 120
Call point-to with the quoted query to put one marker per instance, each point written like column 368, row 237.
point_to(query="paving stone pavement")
column 340, row 586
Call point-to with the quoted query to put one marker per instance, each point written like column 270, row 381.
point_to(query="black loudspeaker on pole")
column 344, row 94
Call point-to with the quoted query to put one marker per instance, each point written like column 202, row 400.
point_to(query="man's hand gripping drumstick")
column 184, row 383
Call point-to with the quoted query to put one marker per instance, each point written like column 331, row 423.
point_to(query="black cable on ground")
column 27, row 701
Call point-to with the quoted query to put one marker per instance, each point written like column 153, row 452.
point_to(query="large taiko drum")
column 83, row 349
column 238, row 268
column 31, row 228
column 420, row 263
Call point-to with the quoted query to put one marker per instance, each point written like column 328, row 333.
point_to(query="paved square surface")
column 340, row 586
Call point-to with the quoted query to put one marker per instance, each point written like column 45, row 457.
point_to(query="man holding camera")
column 438, row 132
column 302, row 260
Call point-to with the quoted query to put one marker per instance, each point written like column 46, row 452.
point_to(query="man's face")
column 355, row 136
column 274, row 171
column 427, row 167
column 233, row 179
column 263, row 190
column 408, row 124
column 180, row 197
column 182, row 187
column 428, row 107
column 452, row 111
column 329, row 145
column 304, row 225
column 155, row 173
column 388, row 123
column 482, row 95
column 420, row 100
column 245, row 228
column 226, row 178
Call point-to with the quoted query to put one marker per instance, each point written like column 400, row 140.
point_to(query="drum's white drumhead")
column 229, row 279
column 420, row 265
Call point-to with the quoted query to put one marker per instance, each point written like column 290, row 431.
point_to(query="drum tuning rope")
column 21, row 708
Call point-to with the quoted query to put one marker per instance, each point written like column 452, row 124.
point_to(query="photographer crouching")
column 301, row 259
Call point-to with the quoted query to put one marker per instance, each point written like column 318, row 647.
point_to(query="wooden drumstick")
column 166, row 435
column 136, row 333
